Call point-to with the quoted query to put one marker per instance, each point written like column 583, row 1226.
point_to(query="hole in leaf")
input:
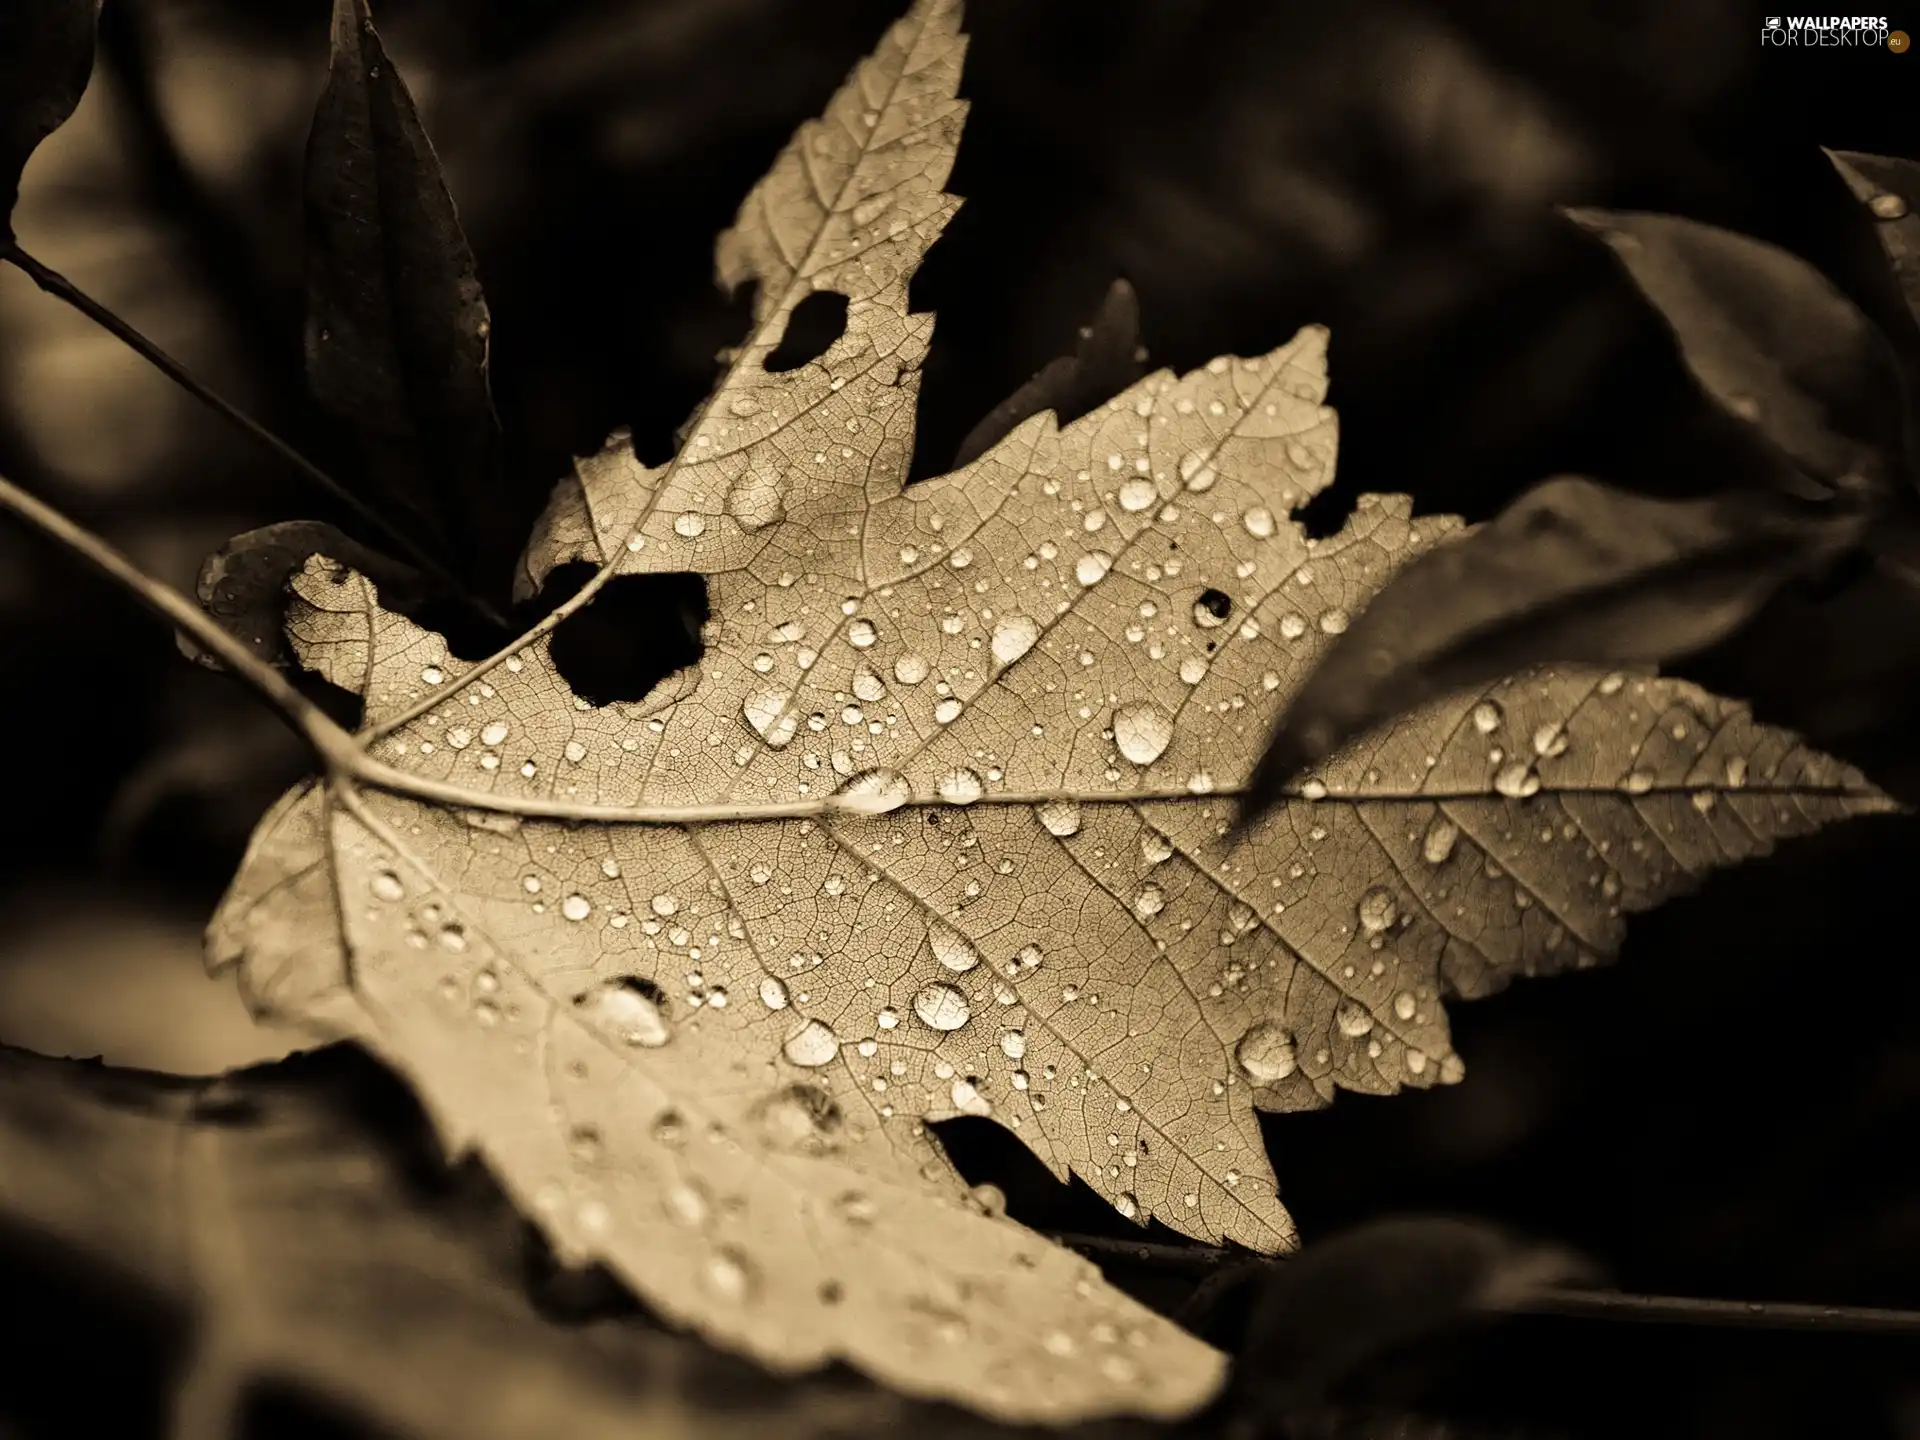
column 812, row 327
column 1325, row 515
column 637, row 631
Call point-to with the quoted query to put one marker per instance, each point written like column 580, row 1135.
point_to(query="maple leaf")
column 934, row 828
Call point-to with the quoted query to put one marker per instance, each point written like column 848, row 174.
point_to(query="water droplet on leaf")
column 1265, row 1053
column 942, row 1007
column 1142, row 731
column 812, row 1045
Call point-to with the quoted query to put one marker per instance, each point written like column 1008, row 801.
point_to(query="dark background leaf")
column 294, row 1223
column 1889, row 187
column 243, row 584
column 46, row 58
column 397, row 328
column 1317, row 1320
column 1107, row 359
column 1772, row 339
column 1575, row 572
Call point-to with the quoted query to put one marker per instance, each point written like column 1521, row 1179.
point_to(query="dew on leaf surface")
column 942, row 1007
column 1142, row 731
column 630, row 1008
column 1013, row 636
column 1061, row 818
column 1092, row 567
column 812, row 1045
column 1265, row 1053
column 960, row 787
column 951, row 948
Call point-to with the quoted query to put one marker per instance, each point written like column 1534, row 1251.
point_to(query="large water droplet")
column 686, row 1205
column 1377, row 911
column 1437, row 844
column 1092, row 567
column 856, row 1208
column 968, row 1100
column 1353, row 1018
column 386, row 886
column 941, row 1007
column 1517, row 781
column 1061, row 817
column 689, row 525
column 960, row 786
column 728, row 1275
column 797, row 1116
column 862, row 634
column 1265, row 1053
column 1198, row 475
column 1259, row 522
column 1137, row 494
column 1150, row 900
column 632, row 1008
column 814, row 1044
column 951, row 948
column 576, row 907
column 1013, row 1044
column 1486, row 717
column 1013, row 636
column 1142, row 731
column 494, row 733
column 773, row 993
column 768, row 710
column 754, row 501
column 873, row 792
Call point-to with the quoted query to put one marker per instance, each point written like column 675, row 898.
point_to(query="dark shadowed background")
column 1733, row 1110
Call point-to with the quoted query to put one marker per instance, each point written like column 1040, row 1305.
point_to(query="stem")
column 1688, row 1310
column 1173, row 1259
column 1569, row 1301
column 336, row 747
column 61, row 288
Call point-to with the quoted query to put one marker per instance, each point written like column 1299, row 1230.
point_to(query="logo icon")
column 1897, row 42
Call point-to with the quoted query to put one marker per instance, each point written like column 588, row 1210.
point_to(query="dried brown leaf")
column 934, row 828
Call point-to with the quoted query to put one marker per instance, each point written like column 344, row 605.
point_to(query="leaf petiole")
column 1566, row 1301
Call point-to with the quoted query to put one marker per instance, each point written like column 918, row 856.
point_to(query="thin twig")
column 1688, row 1310
column 1571, row 1301
column 337, row 749
column 61, row 288
column 216, row 246
column 1174, row 1259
